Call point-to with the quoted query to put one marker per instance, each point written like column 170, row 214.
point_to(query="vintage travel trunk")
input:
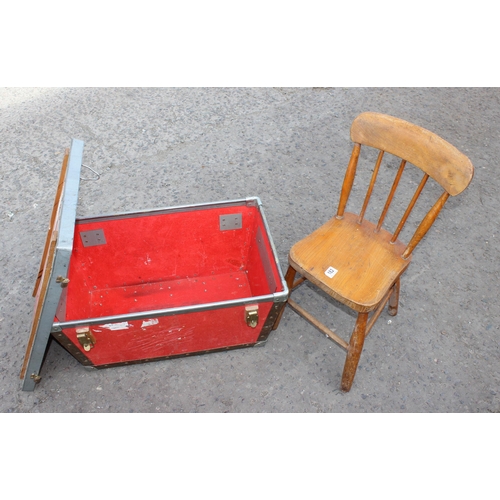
column 133, row 287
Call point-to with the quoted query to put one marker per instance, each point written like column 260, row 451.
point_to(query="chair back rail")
column 424, row 149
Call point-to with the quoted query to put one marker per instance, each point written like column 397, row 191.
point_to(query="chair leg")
column 394, row 300
column 289, row 278
column 354, row 351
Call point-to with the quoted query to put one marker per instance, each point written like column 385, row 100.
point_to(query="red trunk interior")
column 164, row 260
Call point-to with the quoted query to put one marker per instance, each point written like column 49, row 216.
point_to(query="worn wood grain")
column 367, row 262
column 424, row 149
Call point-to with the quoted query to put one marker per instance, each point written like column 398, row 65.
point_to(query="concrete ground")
column 289, row 146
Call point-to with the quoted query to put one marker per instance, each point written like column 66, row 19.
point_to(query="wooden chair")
column 358, row 262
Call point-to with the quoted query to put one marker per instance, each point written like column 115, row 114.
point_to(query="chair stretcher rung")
column 320, row 326
column 298, row 282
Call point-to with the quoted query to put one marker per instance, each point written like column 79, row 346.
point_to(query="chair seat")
column 367, row 264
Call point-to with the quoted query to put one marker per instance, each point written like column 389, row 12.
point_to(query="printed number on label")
column 331, row 272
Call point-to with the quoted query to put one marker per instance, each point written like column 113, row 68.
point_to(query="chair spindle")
column 370, row 187
column 410, row 208
column 348, row 180
column 391, row 195
column 425, row 225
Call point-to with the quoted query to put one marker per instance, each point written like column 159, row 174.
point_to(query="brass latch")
column 86, row 338
column 252, row 315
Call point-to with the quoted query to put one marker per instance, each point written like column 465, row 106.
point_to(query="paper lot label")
column 331, row 272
